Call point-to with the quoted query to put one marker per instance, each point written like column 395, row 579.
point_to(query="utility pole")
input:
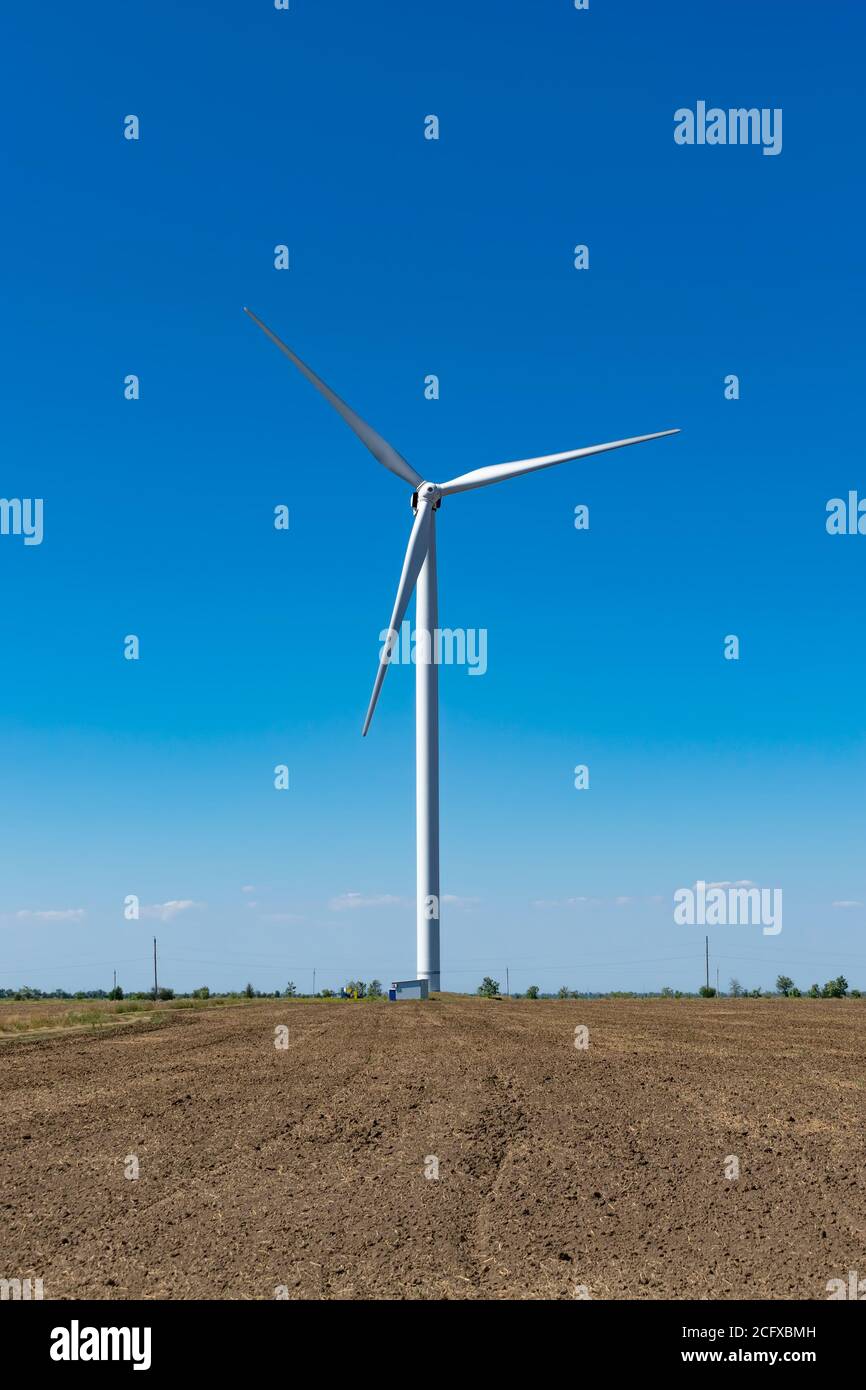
column 115, row 979
column 707, row 940
column 717, row 979
column 507, row 984
column 155, row 985
column 314, row 982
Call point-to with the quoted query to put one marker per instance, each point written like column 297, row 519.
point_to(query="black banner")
column 147, row 1337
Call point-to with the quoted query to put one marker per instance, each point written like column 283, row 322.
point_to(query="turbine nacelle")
column 431, row 493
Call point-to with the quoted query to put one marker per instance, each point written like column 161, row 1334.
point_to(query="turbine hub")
column 428, row 492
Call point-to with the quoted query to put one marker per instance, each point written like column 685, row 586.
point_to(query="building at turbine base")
column 408, row 989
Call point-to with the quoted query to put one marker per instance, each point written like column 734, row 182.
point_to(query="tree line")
column 785, row 987
column 353, row 989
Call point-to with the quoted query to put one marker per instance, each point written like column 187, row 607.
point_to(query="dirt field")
column 558, row 1167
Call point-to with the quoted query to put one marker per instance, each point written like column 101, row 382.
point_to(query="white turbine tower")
column 419, row 571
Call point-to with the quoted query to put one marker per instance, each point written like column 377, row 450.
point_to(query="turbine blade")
column 379, row 447
column 416, row 554
column 497, row 472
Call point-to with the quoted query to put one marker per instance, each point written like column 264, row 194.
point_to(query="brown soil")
column 558, row 1167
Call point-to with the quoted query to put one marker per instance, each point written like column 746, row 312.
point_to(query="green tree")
column 707, row 992
column 488, row 987
column 784, row 984
column 249, row 992
column 116, row 993
column 814, row 992
column 201, row 993
column 667, row 992
column 165, row 993
column 562, row 992
column 291, row 992
column 836, row 989
column 735, row 989
column 374, row 989
column 532, row 992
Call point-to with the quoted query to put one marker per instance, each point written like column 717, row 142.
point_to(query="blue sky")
column 411, row 257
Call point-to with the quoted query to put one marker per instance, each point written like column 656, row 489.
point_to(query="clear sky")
column 410, row 257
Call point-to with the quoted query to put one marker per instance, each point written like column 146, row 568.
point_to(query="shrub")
column 835, row 989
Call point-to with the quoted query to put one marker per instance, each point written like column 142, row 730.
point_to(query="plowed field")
column 303, row 1169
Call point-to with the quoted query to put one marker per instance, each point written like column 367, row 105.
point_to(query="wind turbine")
column 419, row 573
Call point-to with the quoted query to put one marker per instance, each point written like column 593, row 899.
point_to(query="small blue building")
column 409, row 989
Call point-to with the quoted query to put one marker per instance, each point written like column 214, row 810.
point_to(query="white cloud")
column 623, row 900
column 52, row 914
column 349, row 902
column 566, row 902
column 165, row 912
